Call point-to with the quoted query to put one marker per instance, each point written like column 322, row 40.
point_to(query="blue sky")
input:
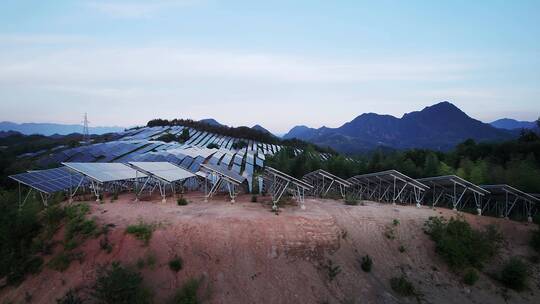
column 277, row 63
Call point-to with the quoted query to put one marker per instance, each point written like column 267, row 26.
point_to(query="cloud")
column 135, row 9
column 41, row 39
column 170, row 66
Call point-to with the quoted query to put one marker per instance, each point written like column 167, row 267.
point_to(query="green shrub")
column 460, row 245
column 366, row 263
column 350, row 200
column 181, row 201
column 117, row 284
column 402, row 286
column 253, row 198
column 141, row 231
column 70, row 298
column 470, row 276
column 395, row 222
column 535, row 240
column 176, row 264
column 401, row 249
column 514, row 274
column 187, row 294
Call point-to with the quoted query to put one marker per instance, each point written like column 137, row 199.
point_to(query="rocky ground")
column 244, row 253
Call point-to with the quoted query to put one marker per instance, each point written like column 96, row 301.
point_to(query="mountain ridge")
column 54, row 128
column 440, row 126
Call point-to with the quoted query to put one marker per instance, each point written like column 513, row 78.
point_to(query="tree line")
column 515, row 162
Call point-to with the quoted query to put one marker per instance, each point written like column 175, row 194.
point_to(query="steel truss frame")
column 455, row 191
column 219, row 180
column 323, row 182
column 503, row 200
column 45, row 196
column 279, row 183
column 388, row 186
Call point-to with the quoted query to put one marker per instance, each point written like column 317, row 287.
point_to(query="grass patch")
column 402, row 286
column 514, row 274
column 460, row 245
column 117, row 284
column 77, row 224
column 350, row 200
column 70, row 298
column 62, row 260
column 149, row 260
column 176, row 264
column 332, row 270
column 367, row 263
column 535, row 240
column 188, row 294
column 142, row 231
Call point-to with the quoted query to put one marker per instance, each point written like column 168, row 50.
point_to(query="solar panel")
column 223, row 171
column 163, row 170
column 105, row 172
column 50, row 180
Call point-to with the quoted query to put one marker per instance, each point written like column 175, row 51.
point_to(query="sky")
column 274, row 63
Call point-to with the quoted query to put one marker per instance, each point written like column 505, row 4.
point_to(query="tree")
column 184, row 136
column 431, row 165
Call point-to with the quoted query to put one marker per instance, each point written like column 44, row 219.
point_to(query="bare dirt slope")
column 246, row 254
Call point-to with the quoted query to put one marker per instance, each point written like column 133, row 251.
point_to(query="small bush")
column 470, row 276
column 395, row 222
column 402, row 286
column 366, row 263
column 253, row 198
column 141, row 231
column 389, row 232
column 181, row 201
column 402, row 249
column 176, row 264
column 514, row 274
column 117, row 284
column 460, row 245
column 187, row 294
column 350, row 200
column 70, row 298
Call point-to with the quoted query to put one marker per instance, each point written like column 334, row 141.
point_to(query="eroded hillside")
column 243, row 253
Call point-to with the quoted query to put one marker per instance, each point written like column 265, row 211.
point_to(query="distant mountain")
column 261, row 128
column 211, row 122
column 512, row 124
column 52, row 128
column 438, row 127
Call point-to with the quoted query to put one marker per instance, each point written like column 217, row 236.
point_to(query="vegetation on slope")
column 515, row 162
column 237, row 132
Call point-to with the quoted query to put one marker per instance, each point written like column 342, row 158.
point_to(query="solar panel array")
column 141, row 145
column 51, row 180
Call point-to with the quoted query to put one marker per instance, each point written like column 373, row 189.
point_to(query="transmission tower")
column 86, row 133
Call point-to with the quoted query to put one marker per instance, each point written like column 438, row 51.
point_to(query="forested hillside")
column 515, row 162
